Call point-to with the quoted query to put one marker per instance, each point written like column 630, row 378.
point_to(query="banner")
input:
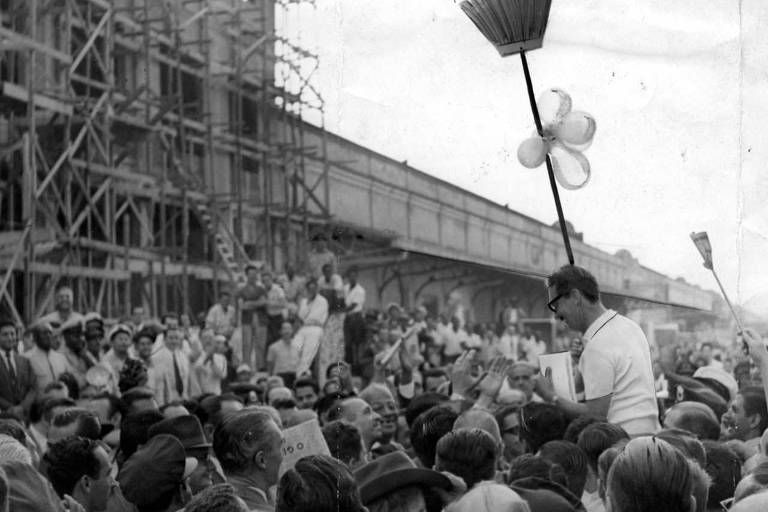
column 301, row 441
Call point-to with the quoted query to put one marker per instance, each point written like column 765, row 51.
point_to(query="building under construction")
column 150, row 148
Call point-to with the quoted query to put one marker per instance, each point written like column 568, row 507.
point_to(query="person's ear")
column 208, row 429
column 85, row 484
column 754, row 420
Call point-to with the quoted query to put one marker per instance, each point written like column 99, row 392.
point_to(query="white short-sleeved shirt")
column 355, row 296
column 617, row 361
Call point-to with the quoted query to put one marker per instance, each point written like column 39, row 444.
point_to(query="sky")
column 677, row 88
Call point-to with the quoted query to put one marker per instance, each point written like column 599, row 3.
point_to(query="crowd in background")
column 420, row 411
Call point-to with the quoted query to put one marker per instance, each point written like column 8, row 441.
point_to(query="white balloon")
column 532, row 152
column 571, row 168
column 553, row 105
column 577, row 128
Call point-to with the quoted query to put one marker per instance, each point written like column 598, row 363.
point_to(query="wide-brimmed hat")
column 392, row 472
column 186, row 429
column 718, row 375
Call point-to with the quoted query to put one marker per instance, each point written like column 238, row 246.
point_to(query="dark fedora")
column 186, row 429
column 392, row 472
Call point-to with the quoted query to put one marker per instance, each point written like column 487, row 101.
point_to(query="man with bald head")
column 694, row 417
column 359, row 413
column 383, row 403
column 520, row 376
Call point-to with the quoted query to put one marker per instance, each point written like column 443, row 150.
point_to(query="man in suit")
column 17, row 380
column 170, row 369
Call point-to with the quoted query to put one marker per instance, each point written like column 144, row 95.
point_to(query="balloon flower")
column 565, row 133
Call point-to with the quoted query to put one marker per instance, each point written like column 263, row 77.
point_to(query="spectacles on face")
column 552, row 305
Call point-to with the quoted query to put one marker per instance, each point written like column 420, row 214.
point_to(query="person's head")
column 80, row 467
column 508, row 420
column 286, row 331
column 139, row 399
column 306, row 393
column 318, row 483
column 120, row 339
column 278, row 394
column 327, row 270
column 421, row 403
column 217, row 498
column 694, row 417
column 383, row 403
column 539, row 424
column 483, row 420
column 650, row 474
column 63, row 299
column 469, row 453
column 754, row 482
column 311, row 287
column 49, row 408
column 248, row 443
column 520, row 376
column 266, row 279
column 598, row 437
column 170, row 321
column 174, row 409
column 252, row 273
column 434, row 379
column 358, row 412
column 345, row 443
column 42, row 336
column 427, row 429
column 491, row 497
column 352, row 275
column 572, row 459
column 747, row 417
column 573, row 296
column 724, row 467
column 173, row 338
column 143, row 341
column 338, row 370
column 214, row 408
column 225, row 298
column 134, row 430
column 72, row 333
column 107, row 407
column 534, row 466
column 706, row 351
column 8, row 339
column 74, row 421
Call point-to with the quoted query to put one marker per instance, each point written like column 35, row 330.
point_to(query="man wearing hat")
column 189, row 431
column 93, row 326
column 17, row 380
column 171, row 374
column 74, row 350
column 154, row 477
column 120, row 340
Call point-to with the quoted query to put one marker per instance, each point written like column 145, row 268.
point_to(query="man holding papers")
column 616, row 362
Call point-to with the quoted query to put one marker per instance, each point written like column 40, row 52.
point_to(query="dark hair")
column 146, row 332
column 572, row 459
column 328, row 402
column 427, row 429
column 344, row 441
column 209, row 410
column 68, row 460
column 73, row 388
column 132, row 374
column 467, row 453
column 422, row 403
column 239, row 436
column 724, row 466
column 134, row 430
column 136, row 394
column 115, row 404
column 42, row 408
column 167, row 316
column 685, row 442
column 597, row 438
column 284, row 403
column 575, row 427
column 541, row 423
column 335, row 364
column 217, row 498
column 88, row 425
column 571, row 277
column 318, row 483
column 754, row 403
column 13, row 428
column 528, row 465
column 306, row 382
column 717, row 387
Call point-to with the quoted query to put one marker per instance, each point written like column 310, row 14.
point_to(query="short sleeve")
column 598, row 371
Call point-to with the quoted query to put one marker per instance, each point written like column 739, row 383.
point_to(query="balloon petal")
column 571, row 168
column 554, row 105
column 532, row 152
column 577, row 128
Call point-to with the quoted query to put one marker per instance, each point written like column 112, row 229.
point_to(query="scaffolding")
column 150, row 149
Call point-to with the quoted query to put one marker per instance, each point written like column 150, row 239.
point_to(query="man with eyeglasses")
column 616, row 361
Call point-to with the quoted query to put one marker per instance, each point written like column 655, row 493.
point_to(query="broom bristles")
column 510, row 25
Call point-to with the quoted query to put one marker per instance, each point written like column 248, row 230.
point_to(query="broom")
column 518, row 26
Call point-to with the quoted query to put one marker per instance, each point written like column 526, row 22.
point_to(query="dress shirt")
column 276, row 300
column 164, row 375
column 211, row 370
column 314, row 312
column 220, row 320
column 354, row 296
column 48, row 366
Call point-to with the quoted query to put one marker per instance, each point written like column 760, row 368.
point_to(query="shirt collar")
column 598, row 323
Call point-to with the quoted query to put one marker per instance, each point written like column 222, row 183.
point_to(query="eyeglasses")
column 726, row 504
column 552, row 305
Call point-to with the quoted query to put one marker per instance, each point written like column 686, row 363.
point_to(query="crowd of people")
column 418, row 411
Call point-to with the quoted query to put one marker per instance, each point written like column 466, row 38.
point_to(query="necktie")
column 177, row 376
column 11, row 371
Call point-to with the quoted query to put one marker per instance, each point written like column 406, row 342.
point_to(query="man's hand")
column 543, row 386
column 491, row 384
column 461, row 374
column 756, row 346
column 406, row 364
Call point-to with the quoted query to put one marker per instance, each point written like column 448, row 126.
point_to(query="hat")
column 697, row 391
column 186, row 429
column 243, row 368
column 155, row 470
column 93, row 317
column 72, row 323
column 29, row 490
column 718, row 375
column 392, row 472
column 118, row 329
column 488, row 497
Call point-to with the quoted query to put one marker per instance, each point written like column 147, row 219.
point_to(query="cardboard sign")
column 301, row 441
column 562, row 373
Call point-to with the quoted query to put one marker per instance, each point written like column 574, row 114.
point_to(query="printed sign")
column 301, row 441
column 562, row 373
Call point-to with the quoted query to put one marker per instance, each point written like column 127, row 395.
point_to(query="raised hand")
column 490, row 385
column 461, row 374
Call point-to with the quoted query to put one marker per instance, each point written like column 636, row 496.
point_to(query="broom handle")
column 550, row 172
column 725, row 296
